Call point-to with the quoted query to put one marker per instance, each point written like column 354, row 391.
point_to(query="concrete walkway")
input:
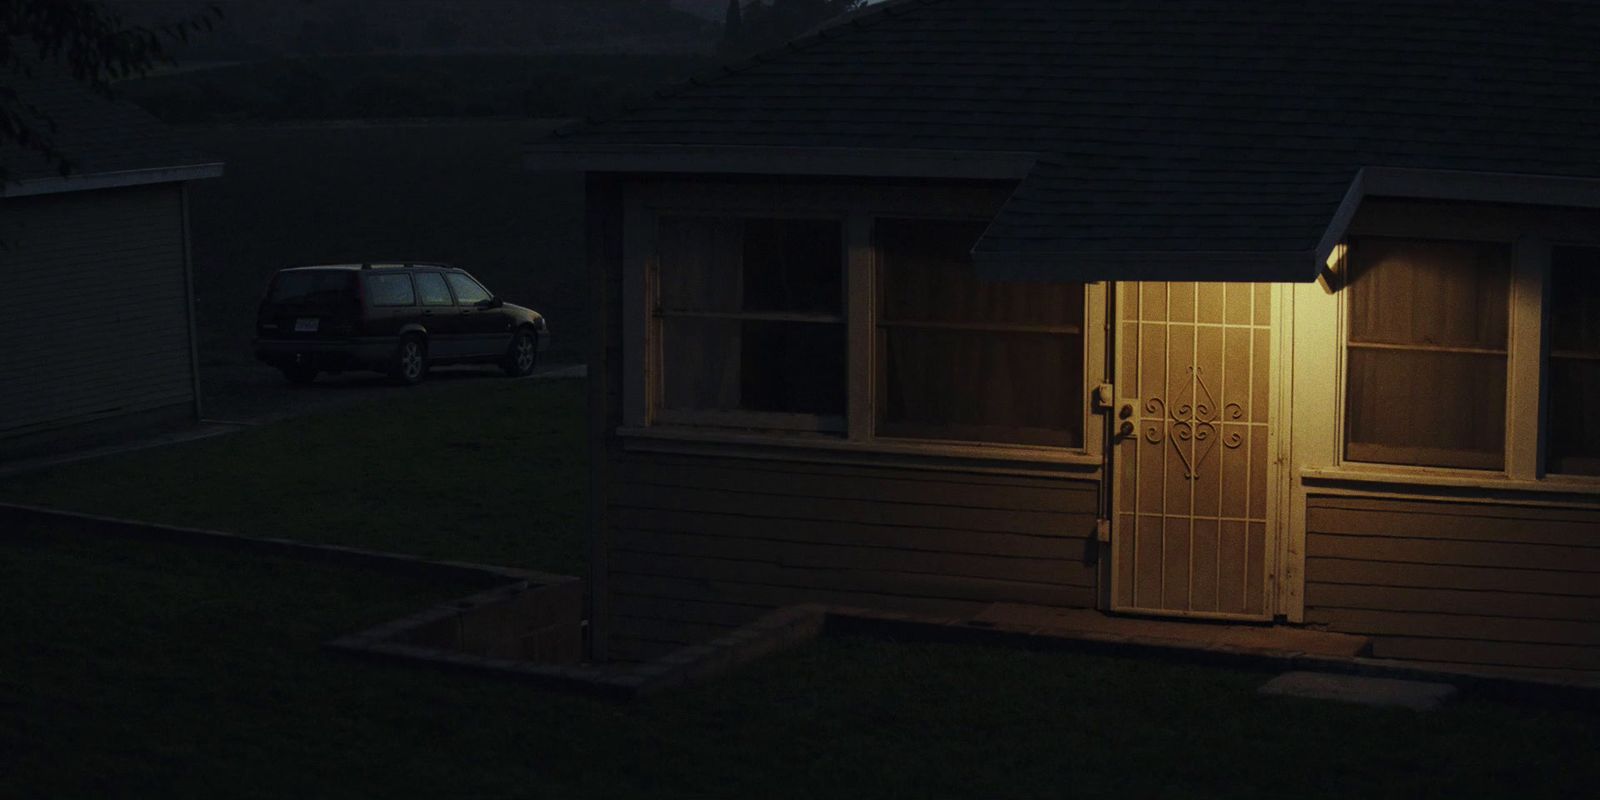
column 1278, row 647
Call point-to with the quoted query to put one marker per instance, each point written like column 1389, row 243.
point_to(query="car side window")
column 431, row 287
column 467, row 290
column 391, row 290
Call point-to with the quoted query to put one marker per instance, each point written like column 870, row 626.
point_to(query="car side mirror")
column 493, row 302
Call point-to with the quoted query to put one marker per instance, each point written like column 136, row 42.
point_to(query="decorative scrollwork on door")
column 1193, row 420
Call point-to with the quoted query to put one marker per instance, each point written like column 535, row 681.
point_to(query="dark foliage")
column 91, row 42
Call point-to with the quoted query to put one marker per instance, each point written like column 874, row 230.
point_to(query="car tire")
column 522, row 355
column 299, row 374
column 410, row 360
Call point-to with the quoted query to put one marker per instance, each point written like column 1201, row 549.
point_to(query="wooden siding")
column 699, row 544
column 1466, row 583
column 94, row 311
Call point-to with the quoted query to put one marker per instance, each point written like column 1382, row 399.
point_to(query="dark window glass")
column 964, row 359
column 467, row 290
column 313, row 286
column 390, row 290
column 752, row 319
column 432, row 290
column 1572, row 441
column 1426, row 382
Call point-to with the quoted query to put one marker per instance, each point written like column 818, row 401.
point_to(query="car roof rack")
column 402, row 264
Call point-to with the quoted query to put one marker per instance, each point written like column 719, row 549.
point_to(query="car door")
column 483, row 327
column 439, row 315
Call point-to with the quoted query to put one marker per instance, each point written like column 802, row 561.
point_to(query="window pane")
column 749, row 365
column 1573, row 439
column 793, row 265
column 390, row 290
column 1426, row 381
column 1427, row 409
column 928, row 266
column 1405, row 291
column 717, row 278
column 699, row 263
column 1022, row 388
column 961, row 359
column 313, row 286
column 430, row 287
column 467, row 290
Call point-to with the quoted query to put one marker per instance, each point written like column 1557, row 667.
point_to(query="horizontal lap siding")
column 702, row 544
column 95, row 313
column 1454, row 582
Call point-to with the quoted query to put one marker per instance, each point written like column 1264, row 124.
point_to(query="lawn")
column 490, row 471
column 131, row 668
column 138, row 669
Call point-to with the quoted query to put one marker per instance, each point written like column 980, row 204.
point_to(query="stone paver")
column 1419, row 695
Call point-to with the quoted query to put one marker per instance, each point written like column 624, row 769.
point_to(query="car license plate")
column 305, row 325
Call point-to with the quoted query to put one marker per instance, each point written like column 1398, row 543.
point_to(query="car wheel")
column 522, row 355
column 300, row 374
column 410, row 360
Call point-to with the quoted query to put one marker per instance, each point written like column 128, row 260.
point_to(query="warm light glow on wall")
column 1333, row 272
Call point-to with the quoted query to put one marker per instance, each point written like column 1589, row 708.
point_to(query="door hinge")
column 1102, row 531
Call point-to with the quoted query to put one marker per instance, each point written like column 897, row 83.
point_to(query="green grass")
column 491, row 471
column 139, row 669
column 135, row 669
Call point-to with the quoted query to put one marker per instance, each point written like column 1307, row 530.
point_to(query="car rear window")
column 313, row 286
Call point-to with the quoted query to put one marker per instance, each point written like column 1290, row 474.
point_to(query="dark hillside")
column 257, row 29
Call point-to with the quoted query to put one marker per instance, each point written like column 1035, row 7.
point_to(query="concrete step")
column 1198, row 634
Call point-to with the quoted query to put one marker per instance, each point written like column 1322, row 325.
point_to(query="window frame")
column 1346, row 311
column 415, row 279
column 1531, row 233
column 857, row 208
column 741, row 419
column 1545, row 355
column 487, row 295
column 878, row 339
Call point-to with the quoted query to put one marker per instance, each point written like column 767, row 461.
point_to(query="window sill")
column 1446, row 483
column 1004, row 459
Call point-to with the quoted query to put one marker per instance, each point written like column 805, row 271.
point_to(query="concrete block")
column 1419, row 695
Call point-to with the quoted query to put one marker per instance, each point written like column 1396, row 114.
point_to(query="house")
column 97, row 314
column 1242, row 311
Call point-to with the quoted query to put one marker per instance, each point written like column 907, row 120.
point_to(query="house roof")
column 108, row 143
column 1161, row 135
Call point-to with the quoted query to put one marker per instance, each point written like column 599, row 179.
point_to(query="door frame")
column 1281, row 589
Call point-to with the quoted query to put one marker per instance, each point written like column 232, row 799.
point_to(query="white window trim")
column 857, row 207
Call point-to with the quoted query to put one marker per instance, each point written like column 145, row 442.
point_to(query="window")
column 960, row 359
column 467, row 290
column 313, row 286
column 432, row 290
column 1572, row 442
column 390, row 290
column 750, row 322
column 1426, row 370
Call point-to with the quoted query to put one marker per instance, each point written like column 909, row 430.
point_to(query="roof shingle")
column 1216, row 126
